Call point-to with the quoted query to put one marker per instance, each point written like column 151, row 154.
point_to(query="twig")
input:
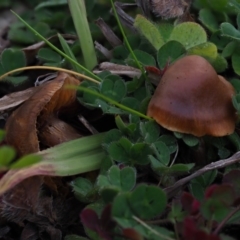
column 171, row 191
column 84, row 121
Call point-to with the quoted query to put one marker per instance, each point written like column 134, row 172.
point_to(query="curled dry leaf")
column 56, row 131
column 21, row 126
column 62, row 98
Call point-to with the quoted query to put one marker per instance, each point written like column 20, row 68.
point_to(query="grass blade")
column 69, row 52
column 56, row 49
column 79, row 16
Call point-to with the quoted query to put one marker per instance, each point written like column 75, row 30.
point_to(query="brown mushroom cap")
column 191, row 98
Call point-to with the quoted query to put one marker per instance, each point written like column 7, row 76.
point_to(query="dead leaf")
column 21, row 126
column 15, row 99
column 21, row 201
column 55, row 131
column 62, row 98
column 30, row 232
column 42, row 215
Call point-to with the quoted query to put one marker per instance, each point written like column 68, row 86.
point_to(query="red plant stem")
column 224, row 221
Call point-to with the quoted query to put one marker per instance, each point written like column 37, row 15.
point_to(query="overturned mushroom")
column 191, row 98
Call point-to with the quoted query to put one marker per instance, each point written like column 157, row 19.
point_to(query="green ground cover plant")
column 132, row 178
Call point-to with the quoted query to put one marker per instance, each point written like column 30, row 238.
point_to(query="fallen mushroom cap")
column 191, row 98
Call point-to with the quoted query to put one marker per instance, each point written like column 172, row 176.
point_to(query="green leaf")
column 112, row 135
column 134, row 41
column 12, row 59
column 123, row 179
column 43, row 29
column 170, row 141
column 181, row 168
column 190, row 140
column 19, row 35
column 134, row 84
column 83, row 189
column 229, row 30
column 120, row 150
column 2, row 135
column 236, row 84
column 144, row 202
column 147, row 201
column 238, row 21
column 199, row 184
column 197, row 190
column 109, row 193
column 18, row 80
column 128, row 177
column 218, row 5
column 129, row 130
column 219, row 40
column 176, row 169
column 131, row 103
column 236, row 63
column 162, row 152
column 5, row 4
column 7, row 155
column 169, row 53
column 149, row 31
column 69, row 52
column 223, row 153
column 139, row 153
column 236, row 102
column 150, row 131
column 120, row 52
column 143, row 57
column 189, row 34
column 229, row 49
column 207, row 50
column 121, row 207
column 26, row 161
column 212, row 209
column 114, row 89
column 176, row 213
column 90, row 98
column 178, row 135
column 48, row 55
column 74, row 237
column 52, row 3
column 220, row 64
column 165, row 30
column 208, row 19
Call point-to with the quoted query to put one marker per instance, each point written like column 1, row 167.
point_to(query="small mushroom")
column 191, row 98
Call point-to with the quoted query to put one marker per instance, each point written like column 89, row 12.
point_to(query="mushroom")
column 191, row 98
